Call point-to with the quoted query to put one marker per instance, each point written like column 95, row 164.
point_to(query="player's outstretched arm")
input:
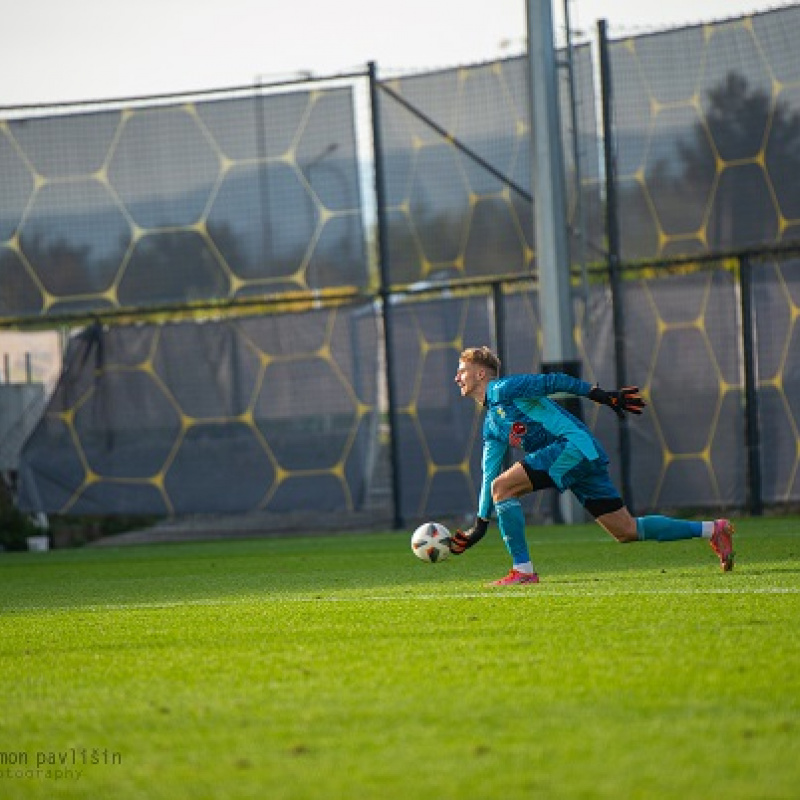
column 620, row 401
column 463, row 540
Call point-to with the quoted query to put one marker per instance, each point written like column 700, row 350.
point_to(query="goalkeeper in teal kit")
column 561, row 453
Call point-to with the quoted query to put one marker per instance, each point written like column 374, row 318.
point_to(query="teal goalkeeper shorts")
column 569, row 469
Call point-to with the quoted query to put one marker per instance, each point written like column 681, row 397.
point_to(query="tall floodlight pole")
column 549, row 191
column 548, row 182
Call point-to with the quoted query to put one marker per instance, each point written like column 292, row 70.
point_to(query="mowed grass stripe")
column 516, row 595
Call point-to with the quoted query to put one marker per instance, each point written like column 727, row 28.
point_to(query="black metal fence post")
column 498, row 308
column 382, row 239
column 613, row 259
column 755, row 501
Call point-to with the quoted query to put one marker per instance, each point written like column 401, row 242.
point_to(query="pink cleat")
column 722, row 543
column 515, row 577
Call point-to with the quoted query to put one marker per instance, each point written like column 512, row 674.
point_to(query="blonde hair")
column 482, row 356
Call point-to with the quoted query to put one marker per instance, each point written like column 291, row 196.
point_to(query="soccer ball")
column 431, row 542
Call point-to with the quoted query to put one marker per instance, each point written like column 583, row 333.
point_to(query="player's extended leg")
column 626, row 528
column 506, row 491
column 594, row 488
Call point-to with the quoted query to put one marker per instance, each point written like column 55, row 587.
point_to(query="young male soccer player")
column 560, row 452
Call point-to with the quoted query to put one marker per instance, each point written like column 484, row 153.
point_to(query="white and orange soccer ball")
column 431, row 542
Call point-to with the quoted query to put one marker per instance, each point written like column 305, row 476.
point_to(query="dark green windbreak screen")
column 274, row 413
column 196, row 202
column 707, row 128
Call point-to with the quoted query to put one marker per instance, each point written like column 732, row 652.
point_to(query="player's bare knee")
column 613, row 516
column 499, row 490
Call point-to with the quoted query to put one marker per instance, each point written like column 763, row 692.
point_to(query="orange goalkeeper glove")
column 463, row 540
column 620, row 401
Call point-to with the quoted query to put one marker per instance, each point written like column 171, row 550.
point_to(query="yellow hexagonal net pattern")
column 193, row 202
column 706, row 123
column 275, row 414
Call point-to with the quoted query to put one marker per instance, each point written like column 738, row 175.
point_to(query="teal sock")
column 667, row 529
column 511, row 519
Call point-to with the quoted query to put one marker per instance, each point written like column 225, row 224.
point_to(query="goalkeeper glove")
column 621, row 400
column 462, row 540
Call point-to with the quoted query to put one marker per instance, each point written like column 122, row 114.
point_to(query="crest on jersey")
column 518, row 430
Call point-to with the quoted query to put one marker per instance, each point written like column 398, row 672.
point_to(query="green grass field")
column 343, row 667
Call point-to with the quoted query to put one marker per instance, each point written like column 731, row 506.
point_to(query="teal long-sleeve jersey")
column 520, row 413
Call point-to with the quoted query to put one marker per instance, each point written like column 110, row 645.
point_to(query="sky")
column 55, row 51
